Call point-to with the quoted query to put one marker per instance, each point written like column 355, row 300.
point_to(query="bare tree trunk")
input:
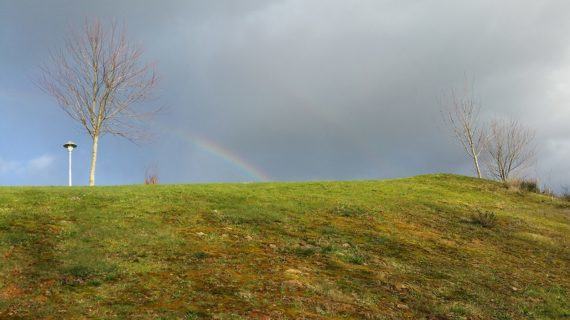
column 93, row 161
column 476, row 162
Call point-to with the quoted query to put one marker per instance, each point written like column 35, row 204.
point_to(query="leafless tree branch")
column 510, row 148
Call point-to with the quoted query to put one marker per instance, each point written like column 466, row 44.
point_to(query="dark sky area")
column 294, row 89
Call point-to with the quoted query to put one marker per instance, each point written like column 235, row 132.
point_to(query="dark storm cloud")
column 316, row 89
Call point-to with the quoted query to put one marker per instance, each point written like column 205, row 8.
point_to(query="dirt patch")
column 11, row 292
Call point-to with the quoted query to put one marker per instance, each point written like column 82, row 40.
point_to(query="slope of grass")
column 394, row 249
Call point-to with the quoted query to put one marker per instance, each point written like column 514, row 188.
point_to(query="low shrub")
column 530, row 186
column 486, row 219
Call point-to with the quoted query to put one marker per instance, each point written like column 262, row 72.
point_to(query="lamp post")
column 70, row 145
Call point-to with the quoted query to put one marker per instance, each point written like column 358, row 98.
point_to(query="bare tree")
column 98, row 79
column 565, row 192
column 461, row 114
column 510, row 148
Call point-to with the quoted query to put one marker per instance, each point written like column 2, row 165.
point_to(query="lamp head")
column 70, row 145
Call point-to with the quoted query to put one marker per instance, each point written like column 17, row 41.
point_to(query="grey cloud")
column 328, row 89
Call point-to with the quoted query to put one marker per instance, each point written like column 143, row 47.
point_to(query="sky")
column 294, row 89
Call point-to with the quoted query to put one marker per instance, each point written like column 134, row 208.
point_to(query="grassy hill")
column 395, row 249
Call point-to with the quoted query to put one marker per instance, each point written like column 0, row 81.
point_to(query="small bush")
column 348, row 210
column 356, row 259
column 528, row 185
column 487, row 219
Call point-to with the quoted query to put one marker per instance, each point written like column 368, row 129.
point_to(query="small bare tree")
column 565, row 193
column 461, row 114
column 510, row 148
column 98, row 79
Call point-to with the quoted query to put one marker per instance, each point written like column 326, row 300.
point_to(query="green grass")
column 395, row 249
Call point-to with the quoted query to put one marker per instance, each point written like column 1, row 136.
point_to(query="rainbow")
column 232, row 158
column 224, row 153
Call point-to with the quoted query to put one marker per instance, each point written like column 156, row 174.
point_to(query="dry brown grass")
column 151, row 176
column 523, row 184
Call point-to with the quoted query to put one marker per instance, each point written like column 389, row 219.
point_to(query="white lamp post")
column 70, row 145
